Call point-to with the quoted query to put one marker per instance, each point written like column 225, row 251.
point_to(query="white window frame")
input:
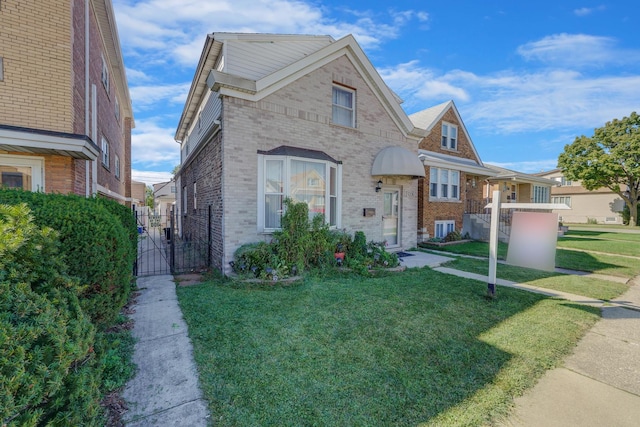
column 35, row 163
column 117, row 110
column 117, row 166
column 541, row 194
column 105, row 152
column 195, row 196
column 449, row 142
column 446, row 185
column 337, row 107
column 566, row 200
column 104, row 75
column 447, row 227
column 333, row 189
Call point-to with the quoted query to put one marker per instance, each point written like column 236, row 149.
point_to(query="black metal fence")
column 169, row 246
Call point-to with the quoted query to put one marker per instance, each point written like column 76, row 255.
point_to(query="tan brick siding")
column 35, row 42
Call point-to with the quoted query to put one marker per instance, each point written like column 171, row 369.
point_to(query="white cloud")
column 143, row 97
column 150, row 177
column 177, row 30
column 153, row 145
column 577, row 50
column 584, row 11
column 528, row 166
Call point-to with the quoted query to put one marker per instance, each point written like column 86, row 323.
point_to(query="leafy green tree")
column 149, row 199
column 610, row 158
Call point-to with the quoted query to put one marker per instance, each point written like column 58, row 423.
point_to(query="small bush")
column 453, row 236
column 592, row 221
column 47, row 363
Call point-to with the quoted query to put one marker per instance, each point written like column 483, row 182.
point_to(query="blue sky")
column 527, row 77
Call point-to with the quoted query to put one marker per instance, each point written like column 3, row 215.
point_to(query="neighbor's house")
column 518, row 187
column 65, row 115
column 306, row 117
column 454, row 172
column 164, row 198
column 601, row 205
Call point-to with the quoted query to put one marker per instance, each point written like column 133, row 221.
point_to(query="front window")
column 562, row 200
column 314, row 182
column 344, row 107
column 540, row 194
column 21, row 172
column 117, row 166
column 444, row 184
column 442, row 228
column 449, row 136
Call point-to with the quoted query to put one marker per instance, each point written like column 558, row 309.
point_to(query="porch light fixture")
column 379, row 186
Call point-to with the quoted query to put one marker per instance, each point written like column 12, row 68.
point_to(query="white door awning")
column 397, row 161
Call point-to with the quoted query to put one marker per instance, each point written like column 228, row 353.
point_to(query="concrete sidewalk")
column 164, row 391
column 599, row 384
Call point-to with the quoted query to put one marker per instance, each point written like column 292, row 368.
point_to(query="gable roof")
column 427, row 119
column 503, row 174
column 311, row 53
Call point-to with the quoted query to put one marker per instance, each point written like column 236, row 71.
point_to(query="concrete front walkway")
column 164, row 391
column 599, row 384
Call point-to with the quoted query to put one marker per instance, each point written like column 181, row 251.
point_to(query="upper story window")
column 561, row 180
column 449, row 136
column 117, row 109
column 105, row 152
column 311, row 181
column 444, row 184
column 344, row 106
column 104, row 75
column 195, row 196
column 117, row 166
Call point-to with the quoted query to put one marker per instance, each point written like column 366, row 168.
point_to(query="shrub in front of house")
column 97, row 248
column 305, row 244
column 48, row 372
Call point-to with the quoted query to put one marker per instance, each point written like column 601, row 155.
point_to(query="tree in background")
column 149, row 199
column 610, row 158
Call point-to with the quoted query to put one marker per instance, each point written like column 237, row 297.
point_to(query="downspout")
column 86, row 92
column 94, row 136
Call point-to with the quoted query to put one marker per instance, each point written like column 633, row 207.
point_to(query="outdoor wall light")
column 379, row 186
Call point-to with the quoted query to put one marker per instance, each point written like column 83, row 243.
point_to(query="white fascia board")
column 113, row 194
column 478, row 170
column 49, row 142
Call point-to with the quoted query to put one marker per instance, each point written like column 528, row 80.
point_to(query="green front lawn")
column 621, row 247
column 403, row 349
column 579, row 285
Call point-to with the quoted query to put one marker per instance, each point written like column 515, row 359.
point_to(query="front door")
column 390, row 217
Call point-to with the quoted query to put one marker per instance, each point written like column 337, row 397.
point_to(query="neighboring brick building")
column 65, row 110
column 454, row 172
column 307, row 117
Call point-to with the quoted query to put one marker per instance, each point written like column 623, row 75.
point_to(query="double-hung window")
column 344, row 106
column 311, row 181
column 449, row 136
column 105, row 152
column 540, row 194
column 104, row 75
column 444, row 184
column 117, row 166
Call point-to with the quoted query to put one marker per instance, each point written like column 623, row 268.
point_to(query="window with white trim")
column 344, row 106
column 442, row 228
column 104, row 75
column 24, row 172
column 195, row 196
column 562, row 200
column 540, row 194
column 117, row 166
column 117, row 109
column 105, row 152
column 314, row 182
column 449, row 136
column 444, row 184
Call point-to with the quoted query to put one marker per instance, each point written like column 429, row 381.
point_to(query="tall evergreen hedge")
column 96, row 245
column 48, row 372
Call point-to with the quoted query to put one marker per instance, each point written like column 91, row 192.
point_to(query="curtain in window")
column 444, row 183
column 433, row 180
column 342, row 107
column 273, row 193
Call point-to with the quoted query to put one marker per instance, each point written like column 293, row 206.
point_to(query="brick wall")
column 299, row 115
column 35, row 42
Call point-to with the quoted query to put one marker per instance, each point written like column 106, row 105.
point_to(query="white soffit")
column 397, row 161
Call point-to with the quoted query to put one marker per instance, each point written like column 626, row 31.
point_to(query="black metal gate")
column 170, row 245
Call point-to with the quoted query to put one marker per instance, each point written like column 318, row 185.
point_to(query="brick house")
column 65, row 115
column 518, row 187
column 307, row 117
column 454, row 172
